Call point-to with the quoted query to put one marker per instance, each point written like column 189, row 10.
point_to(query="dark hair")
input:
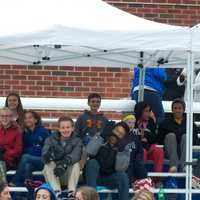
column 93, row 95
column 3, row 185
column 64, row 119
column 35, row 115
column 20, row 109
column 139, row 108
column 179, row 101
column 124, row 125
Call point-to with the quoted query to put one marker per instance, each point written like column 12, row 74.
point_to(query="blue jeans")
column 117, row 180
column 154, row 99
column 27, row 165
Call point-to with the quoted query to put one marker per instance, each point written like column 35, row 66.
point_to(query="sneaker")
column 195, row 182
column 65, row 195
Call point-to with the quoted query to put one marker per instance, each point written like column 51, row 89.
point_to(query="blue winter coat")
column 154, row 78
column 34, row 140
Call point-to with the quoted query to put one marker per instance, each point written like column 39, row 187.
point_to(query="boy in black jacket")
column 172, row 133
column 108, row 160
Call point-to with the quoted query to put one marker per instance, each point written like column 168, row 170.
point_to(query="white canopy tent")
column 85, row 33
column 93, row 33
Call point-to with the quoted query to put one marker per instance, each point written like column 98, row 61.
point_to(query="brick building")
column 78, row 82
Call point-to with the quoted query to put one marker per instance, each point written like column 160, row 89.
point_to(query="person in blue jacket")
column 34, row 136
column 153, row 89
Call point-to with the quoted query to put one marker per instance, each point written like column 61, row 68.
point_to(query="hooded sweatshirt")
column 89, row 124
column 34, row 140
column 154, row 79
column 47, row 187
column 11, row 143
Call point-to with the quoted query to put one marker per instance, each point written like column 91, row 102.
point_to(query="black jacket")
column 150, row 133
column 110, row 158
column 136, row 167
column 169, row 125
column 172, row 90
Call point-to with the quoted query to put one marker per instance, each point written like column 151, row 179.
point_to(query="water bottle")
column 161, row 195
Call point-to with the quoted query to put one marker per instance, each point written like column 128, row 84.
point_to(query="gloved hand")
column 59, row 170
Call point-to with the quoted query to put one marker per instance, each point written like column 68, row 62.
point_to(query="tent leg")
column 141, row 84
column 189, row 130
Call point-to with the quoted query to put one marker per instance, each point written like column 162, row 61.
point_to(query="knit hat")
column 128, row 117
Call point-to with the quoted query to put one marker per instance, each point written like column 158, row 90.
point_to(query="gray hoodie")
column 58, row 149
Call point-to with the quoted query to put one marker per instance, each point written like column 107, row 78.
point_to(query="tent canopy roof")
column 89, row 32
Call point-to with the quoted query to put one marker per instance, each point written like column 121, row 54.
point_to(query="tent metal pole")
column 141, row 84
column 141, row 78
column 189, row 127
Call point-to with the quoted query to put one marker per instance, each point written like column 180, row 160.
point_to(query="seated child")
column 13, row 102
column 10, row 141
column 91, row 121
column 136, row 168
column 44, row 192
column 147, row 128
column 172, row 133
column 34, row 136
column 61, row 155
column 108, row 162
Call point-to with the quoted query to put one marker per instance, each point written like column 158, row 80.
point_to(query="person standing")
column 153, row 89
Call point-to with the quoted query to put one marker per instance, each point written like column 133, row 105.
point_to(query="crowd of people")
column 101, row 151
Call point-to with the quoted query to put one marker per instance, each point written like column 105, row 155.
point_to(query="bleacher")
column 123, row 105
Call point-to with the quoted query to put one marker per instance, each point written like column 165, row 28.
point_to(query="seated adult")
column 108, row 163
column 10, row 140
column 34, row 136
column 172, row 134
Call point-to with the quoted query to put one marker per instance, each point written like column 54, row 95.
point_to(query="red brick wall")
column 178, row 12
column 79, row 82
column 64, row 81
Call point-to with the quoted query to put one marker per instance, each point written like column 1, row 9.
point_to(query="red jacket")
column 11, row 142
